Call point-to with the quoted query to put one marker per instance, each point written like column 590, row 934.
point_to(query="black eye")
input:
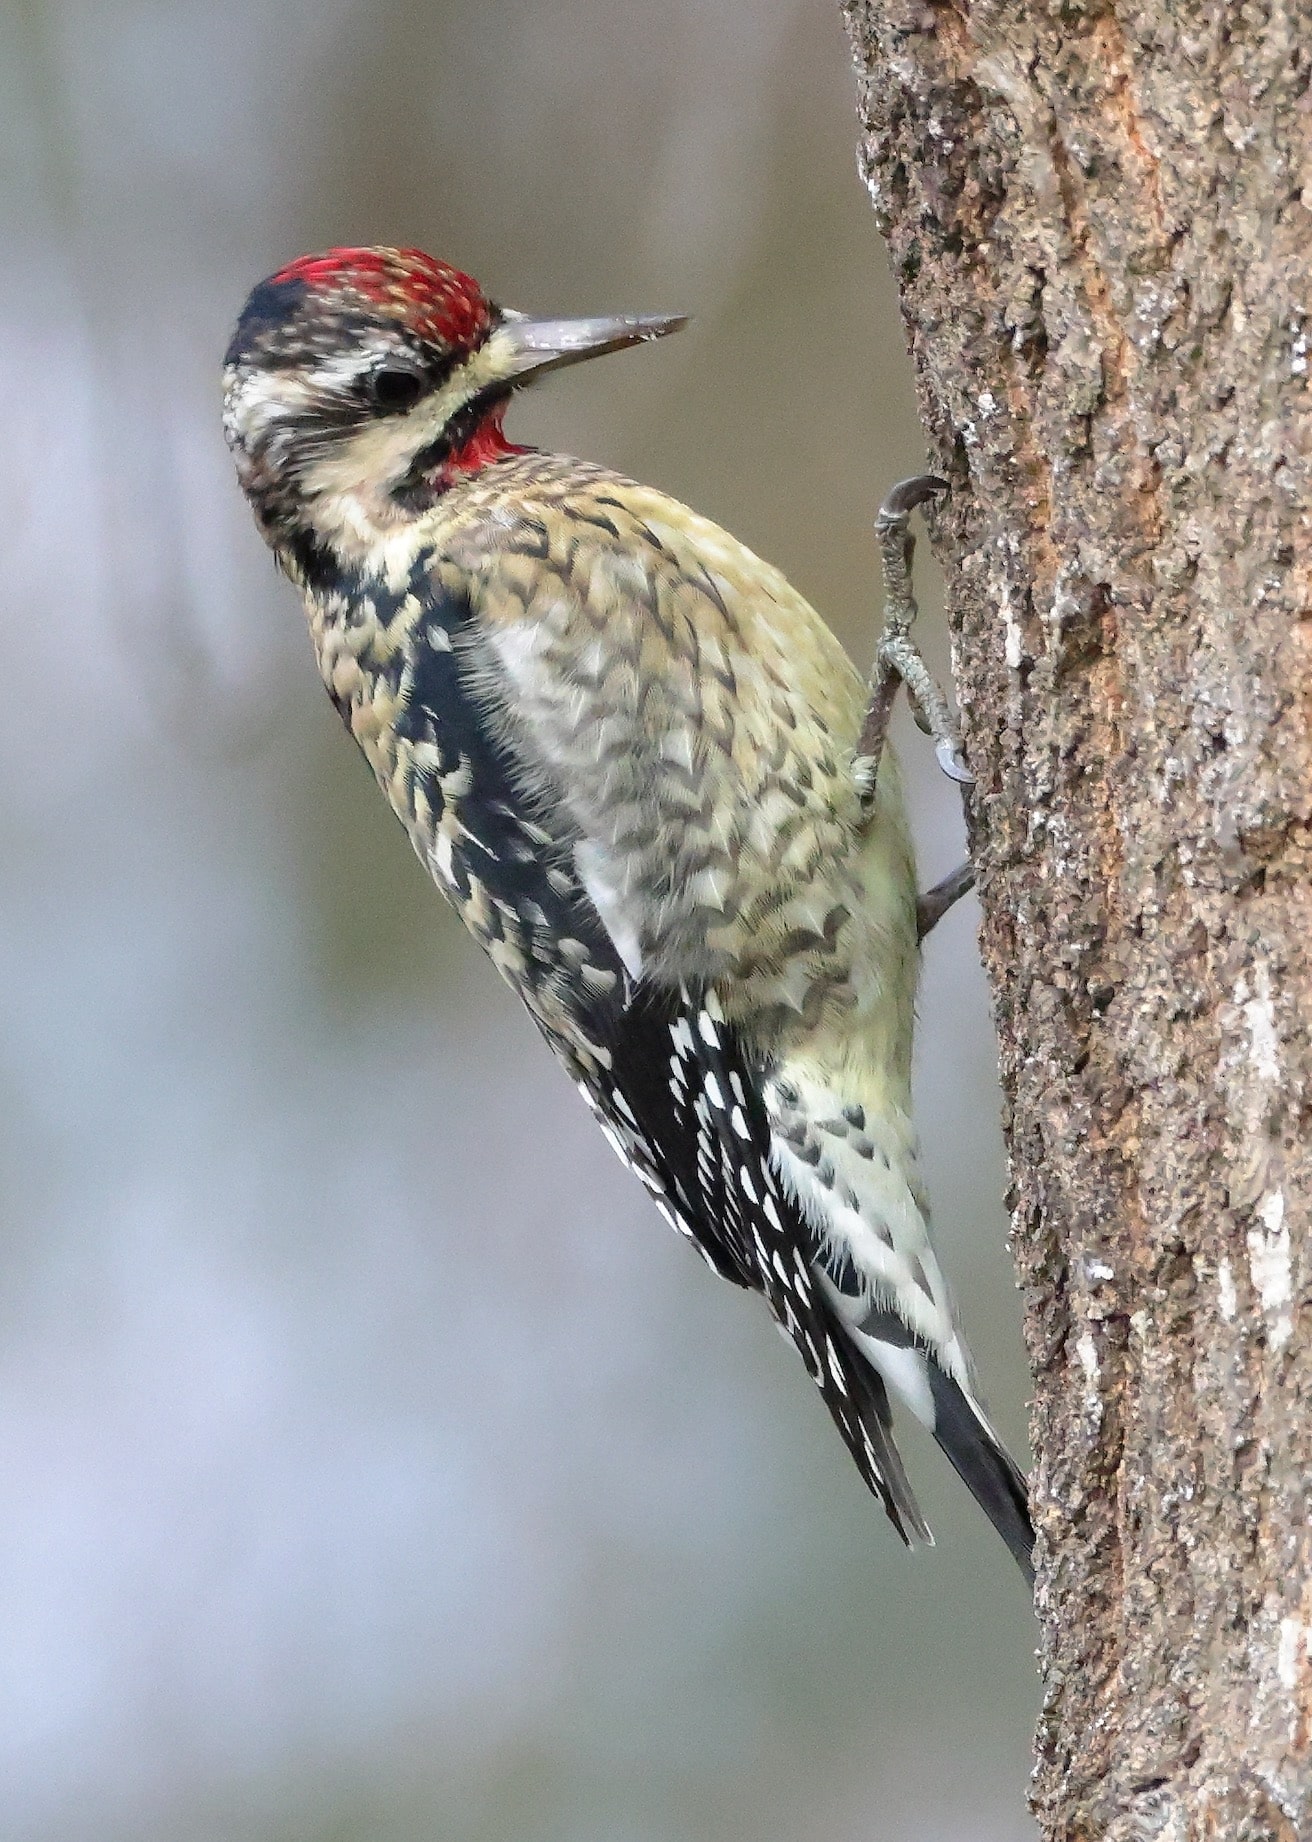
column 394, row 388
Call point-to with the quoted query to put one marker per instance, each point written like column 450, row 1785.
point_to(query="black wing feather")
column 725, row 1137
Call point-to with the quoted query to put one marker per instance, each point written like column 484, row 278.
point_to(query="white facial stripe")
column 259, row 400
column 377, row 454
column 381, row 451
column 345, row 371
column 347, row 476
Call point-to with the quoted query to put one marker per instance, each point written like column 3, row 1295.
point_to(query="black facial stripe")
column 439, row 370
column 457, row 431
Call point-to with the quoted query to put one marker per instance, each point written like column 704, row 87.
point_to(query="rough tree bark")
column 1100, row 217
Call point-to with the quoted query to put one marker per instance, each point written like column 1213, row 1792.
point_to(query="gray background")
column 375, row 1464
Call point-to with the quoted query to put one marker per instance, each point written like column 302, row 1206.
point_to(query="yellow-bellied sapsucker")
column 650, row 780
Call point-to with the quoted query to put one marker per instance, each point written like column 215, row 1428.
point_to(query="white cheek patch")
column 346, row 476
column 363, row 464
column 380, row 452
column 260, row 401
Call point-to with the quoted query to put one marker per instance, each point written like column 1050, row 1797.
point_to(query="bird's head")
column 361, row 383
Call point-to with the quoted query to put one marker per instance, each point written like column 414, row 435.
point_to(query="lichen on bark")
column 1100, row 219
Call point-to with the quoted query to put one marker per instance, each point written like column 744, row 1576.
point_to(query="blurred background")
column 376, row 1465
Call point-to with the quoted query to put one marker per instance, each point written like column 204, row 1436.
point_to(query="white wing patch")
column 598, row 879
column 906, row 1372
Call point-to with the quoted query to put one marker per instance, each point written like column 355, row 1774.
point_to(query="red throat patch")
column 486, row 443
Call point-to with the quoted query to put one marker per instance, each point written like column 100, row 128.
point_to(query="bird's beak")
column 522, row 348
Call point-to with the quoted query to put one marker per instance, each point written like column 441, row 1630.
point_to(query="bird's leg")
column 897, row 660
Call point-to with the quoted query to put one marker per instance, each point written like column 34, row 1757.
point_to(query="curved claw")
column 953, row 763
column 901, row 500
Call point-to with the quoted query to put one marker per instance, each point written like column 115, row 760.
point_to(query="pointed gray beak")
column 525, row 347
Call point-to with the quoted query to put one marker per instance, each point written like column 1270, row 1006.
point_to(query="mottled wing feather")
column 504, row 854
column 682, row 1105
column 488, row 841
column 661, row 1070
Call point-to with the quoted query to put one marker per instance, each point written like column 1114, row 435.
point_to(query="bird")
column 655, row 788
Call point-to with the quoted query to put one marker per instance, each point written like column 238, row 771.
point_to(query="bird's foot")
column 897, row 659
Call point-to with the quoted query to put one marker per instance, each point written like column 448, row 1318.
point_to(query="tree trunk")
column 1100, row 217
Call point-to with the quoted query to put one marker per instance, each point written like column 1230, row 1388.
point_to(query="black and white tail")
column 684, row 1107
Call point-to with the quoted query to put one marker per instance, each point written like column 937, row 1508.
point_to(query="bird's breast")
column 698, row 721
